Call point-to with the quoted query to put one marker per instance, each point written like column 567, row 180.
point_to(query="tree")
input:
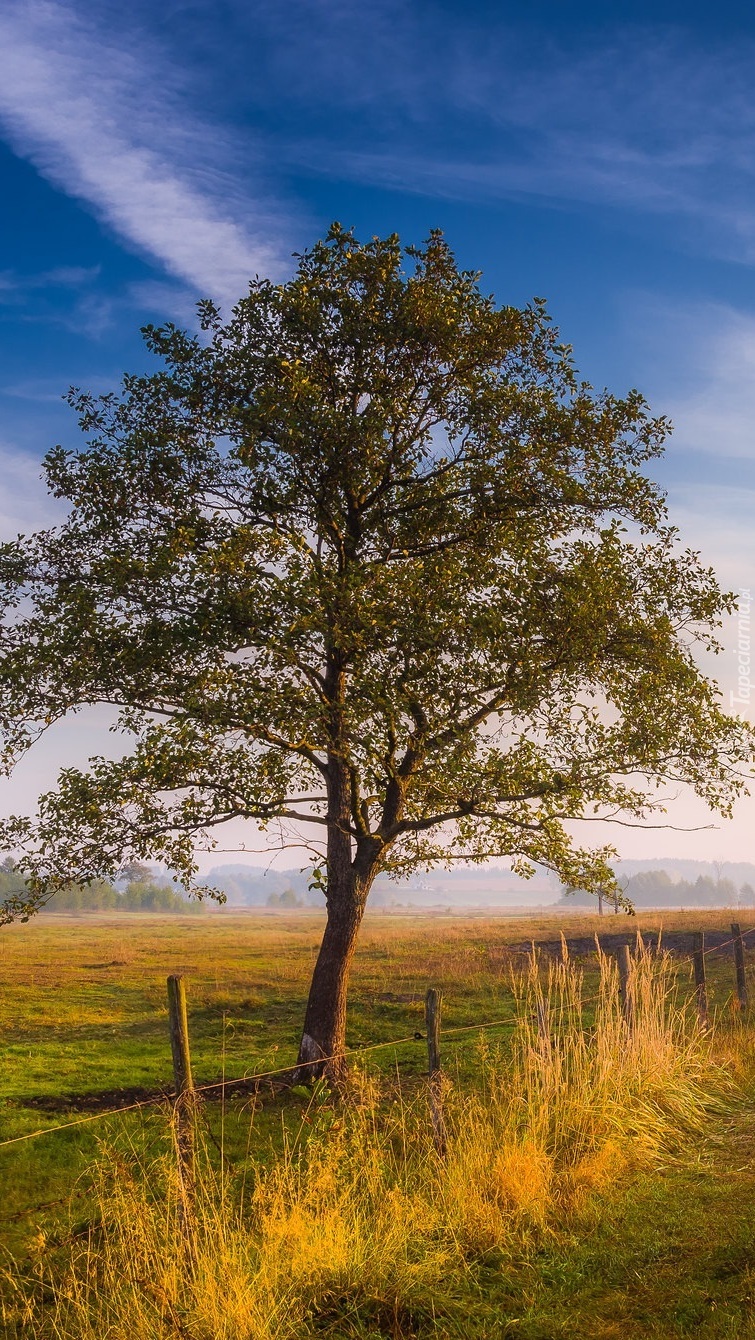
column 11, row 881
column 134, row 872
column 287, row 899
column 372, row 561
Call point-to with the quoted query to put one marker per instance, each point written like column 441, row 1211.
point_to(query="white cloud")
column 641, row 119
column 174, row 301
column 105, row 124
column 695, row 362
column 713, row 402
column 25, row 503
column 39, row 390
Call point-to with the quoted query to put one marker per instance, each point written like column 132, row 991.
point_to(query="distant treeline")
column 256, row 886
column 140, row 894
column 656, row 888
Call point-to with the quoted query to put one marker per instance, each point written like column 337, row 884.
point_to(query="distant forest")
column 656, row 888
column 140, row 892
column 686, row 886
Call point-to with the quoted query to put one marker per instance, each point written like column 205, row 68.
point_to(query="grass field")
column 624, row 1198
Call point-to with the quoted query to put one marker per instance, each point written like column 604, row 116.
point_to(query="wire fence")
column 258, row 1076
column 168, row 1098
column 254, row 1080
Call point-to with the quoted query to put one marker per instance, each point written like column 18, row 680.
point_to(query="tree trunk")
column 350, row 873
column 324, row 1038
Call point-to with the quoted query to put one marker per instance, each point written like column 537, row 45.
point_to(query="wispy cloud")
column 714, row 408
column 641, row 118
column 647, row 120
column 25, row 503
column 16, row 288
column 182, row 148
column 108, row 125
column 696, row 362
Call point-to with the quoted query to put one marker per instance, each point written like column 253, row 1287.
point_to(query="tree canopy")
column 368, row 559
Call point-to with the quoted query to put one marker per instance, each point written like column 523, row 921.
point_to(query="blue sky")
column 601, row 156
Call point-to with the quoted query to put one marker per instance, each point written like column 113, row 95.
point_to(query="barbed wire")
column 627, row 937
column 165, row 1097
column 715, row 948
column 257, row 1077
column 644, row 937
column 252, row 1079
column 45, row 1205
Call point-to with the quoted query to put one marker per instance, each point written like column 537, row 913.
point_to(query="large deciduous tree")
column 368, row 559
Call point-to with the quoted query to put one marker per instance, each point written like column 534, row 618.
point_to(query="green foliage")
column 12, row 883
column 146, row 896
column 99, row 896
column 287, row 898
column 369, row 558
column 133, row 872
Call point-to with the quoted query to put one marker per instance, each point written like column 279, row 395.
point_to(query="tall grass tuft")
column 361, row 1228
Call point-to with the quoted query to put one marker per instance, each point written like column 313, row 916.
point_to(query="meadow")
column 596, row 1182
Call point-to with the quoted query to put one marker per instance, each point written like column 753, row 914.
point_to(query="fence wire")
column 255, row 1079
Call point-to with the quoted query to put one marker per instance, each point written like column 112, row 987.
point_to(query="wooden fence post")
column 185, row 1100
column 624, row 961
column 698, row 958
column 433, row 1001
column 739, row 963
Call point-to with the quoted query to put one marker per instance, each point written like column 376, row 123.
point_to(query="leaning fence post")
column 185, row 1100
column 739, row 963
column 698, row 958
column 624, row 961
column 433, row 1001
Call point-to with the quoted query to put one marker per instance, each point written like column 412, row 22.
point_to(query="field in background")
column 83, row 1012
column 83, row 1004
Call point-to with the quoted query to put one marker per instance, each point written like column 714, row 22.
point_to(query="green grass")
column 671, row 1254
column 83, row 1009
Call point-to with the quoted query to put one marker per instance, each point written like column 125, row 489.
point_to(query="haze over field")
column 672, row 883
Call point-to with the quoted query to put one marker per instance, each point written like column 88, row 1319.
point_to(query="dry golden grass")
column 361, row 1220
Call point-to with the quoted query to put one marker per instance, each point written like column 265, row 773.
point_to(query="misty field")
column 596, row 1183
